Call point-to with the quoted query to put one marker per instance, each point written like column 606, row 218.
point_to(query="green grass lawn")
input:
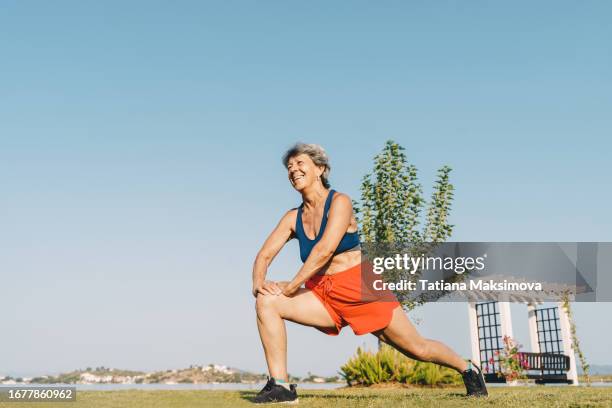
column 354, row 398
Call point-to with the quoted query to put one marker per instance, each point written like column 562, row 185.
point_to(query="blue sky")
column 140, row 147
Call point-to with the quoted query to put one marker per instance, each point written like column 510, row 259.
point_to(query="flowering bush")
column 512, row 363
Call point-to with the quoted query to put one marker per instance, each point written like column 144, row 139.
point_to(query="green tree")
column 392, row 203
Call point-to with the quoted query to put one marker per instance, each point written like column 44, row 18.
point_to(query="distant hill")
column 195, row 374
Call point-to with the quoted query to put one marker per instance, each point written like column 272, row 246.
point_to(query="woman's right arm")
column 274, row 243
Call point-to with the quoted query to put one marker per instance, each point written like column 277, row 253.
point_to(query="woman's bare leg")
column 402, row 335
column 272, row 311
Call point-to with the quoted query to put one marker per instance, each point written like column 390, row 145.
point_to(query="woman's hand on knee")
column 267, row 288
column 287, row 289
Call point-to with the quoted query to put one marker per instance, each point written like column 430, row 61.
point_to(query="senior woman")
column 325, row 226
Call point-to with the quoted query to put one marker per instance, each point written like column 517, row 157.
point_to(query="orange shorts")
column 349, row 301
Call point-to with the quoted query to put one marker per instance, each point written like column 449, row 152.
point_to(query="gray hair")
column 317, row 155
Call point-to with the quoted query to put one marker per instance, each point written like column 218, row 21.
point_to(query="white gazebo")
column 552, row 356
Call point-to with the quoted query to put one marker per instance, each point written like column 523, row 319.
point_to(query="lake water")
column 209, row 386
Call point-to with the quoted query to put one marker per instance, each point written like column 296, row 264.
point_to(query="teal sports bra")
column 349, row 241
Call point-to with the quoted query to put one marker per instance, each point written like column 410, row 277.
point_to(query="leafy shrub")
column 388, row 365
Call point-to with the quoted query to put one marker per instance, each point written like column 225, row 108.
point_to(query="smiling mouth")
column 296, row 178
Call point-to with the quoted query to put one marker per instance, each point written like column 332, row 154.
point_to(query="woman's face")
column 302, row 171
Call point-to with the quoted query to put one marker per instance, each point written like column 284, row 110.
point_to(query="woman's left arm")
column 338, row 221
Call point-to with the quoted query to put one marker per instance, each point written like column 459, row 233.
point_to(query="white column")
column 568, row 348
column 474, row 333
column 505, row 319
column 533, row 328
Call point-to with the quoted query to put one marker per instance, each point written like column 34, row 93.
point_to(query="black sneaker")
column 273, row 392
column 474, row 382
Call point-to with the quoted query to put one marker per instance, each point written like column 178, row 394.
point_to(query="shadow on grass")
column 249, row 395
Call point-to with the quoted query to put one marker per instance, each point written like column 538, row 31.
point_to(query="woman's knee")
column 419, row 348
column 422, row 350
column 265, row 303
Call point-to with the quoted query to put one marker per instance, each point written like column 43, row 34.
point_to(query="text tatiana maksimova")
column 477, row 284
